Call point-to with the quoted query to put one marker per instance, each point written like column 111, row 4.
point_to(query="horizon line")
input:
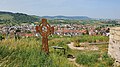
column 56, row 15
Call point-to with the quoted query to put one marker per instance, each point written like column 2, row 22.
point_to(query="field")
column 26, row 52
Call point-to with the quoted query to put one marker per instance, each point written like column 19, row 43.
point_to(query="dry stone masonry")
column 114, row 44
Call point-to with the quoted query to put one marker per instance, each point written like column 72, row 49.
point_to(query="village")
column 28, row 30
column 80, row 38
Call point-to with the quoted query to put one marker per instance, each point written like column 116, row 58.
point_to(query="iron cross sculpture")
column 45, row 30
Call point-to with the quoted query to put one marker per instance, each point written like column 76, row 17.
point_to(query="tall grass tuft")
column 27, row 52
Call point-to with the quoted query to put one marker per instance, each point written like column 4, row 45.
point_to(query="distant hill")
column 17, row 18
column 68, row 17
column 9, row 17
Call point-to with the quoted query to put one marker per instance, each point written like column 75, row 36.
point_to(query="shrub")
column 102, row 65
column 109, row 61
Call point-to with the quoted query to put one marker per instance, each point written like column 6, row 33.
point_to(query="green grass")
column 87, row 58
column 87, row 38
column 30, row 58
column 26, row 52
column 94, row 59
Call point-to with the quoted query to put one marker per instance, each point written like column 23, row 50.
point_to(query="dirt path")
column 87, row 46
column 92, row 47
column 73, row 62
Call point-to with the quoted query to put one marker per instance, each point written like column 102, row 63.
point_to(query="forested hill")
column 9, row 17
column 68, row 17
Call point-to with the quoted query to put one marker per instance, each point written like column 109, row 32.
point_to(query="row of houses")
column 64, row 29
column 24, row 30
column 74, row 30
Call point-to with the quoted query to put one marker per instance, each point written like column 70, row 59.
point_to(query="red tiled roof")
column 28, row 35
column 70, row 31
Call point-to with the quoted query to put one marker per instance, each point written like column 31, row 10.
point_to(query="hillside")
column 68, row 17
column 9, row 17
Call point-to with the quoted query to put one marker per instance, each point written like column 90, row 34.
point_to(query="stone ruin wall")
column 114, row 44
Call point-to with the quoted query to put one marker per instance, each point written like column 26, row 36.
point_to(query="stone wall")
column 114, row 44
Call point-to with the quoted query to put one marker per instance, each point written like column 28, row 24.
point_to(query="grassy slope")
column 16, row 18
column 86, row 58
column 27, row 52
column 6, row 17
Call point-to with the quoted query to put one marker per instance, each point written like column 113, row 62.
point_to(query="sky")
column 91, row 8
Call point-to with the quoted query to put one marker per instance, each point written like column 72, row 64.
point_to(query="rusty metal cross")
column 45, row 30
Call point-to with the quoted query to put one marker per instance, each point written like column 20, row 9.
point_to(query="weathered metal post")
column 45, row 30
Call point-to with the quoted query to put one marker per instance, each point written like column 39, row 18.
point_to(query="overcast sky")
column 90, row 8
